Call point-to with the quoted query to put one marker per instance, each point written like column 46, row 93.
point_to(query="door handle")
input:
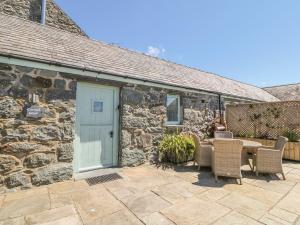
column 111, row 134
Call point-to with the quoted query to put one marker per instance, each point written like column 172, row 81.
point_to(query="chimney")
column 43, row 13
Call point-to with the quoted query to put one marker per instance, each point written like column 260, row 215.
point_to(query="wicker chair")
column 223, row 134
column 227, row 158
column 203, row 152
column 269, row 160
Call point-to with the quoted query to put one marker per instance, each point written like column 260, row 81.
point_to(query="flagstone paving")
column 160, row 196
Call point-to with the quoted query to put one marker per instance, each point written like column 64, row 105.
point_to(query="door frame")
column 115, row 144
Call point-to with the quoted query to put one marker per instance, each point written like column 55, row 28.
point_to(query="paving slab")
column 168, row 194
column 60, row 199
column 24, row 206
column 291, row 164
column 235, row 218
column 138, row 172
column 148, row 195
column 122, row 217
column 94, row 204
column 207, row 179
column 178, row 191
column 147, row 183
column 156, row 219
column 291, row 202
column 1, row 200
column 295, row 171
column 116, row 185
column 213, row 194
column 123, row 193
column 296, row 188
column 269, row 219
column 26, row 193
column 293, row 177
column 145, row 204
column 194, row 211
column 258, row 193
column 68, row 186
column 189, row 177
column 62, row 215
column 280, row 186
column 247, row 206
column 14, row 221
column 284, row 215
column 286, row 169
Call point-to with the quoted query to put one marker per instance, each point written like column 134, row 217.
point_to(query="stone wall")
column 143, row 120
column 31, row 10
column 35, row 151
column 38, row 151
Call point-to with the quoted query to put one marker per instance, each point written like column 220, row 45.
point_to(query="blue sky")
column 254, row 41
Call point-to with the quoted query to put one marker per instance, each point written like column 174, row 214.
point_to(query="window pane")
column 98, row 106
column 172, row 108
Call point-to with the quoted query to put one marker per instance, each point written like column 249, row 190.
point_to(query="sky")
column 253, row 41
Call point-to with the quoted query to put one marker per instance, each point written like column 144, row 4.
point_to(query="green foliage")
column 176, row 148
column 292, row 136
column 255, row 116
column 250, row 135
column 265, row 135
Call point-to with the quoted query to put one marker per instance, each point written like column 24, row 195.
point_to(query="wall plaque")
column 35, row 112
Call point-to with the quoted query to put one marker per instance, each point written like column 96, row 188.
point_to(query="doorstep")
column 95, row 173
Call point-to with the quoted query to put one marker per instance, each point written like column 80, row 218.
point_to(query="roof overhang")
column 38, row 64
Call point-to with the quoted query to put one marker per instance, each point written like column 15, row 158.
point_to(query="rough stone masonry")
column 39, row 151
column 31, row 10
column 35, row 151
column 143, row 119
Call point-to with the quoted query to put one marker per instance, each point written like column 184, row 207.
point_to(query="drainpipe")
column 43, row 14
column 220, row 109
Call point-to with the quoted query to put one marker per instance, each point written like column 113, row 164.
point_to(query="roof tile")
column 30, row 40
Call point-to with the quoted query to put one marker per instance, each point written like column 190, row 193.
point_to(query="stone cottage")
column 69, row 104
column 286, row 92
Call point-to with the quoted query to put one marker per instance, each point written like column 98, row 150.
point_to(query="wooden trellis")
column 263, row 120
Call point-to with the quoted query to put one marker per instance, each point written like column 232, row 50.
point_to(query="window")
column 97, row 106
column 173, row 106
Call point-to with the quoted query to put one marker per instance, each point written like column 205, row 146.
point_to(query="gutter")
column 59, row 67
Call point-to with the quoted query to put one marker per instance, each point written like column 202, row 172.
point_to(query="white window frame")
column 178, row 110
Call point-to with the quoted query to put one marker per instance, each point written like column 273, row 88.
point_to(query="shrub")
column 291, row 135
column 176, row 148
column 265, row 135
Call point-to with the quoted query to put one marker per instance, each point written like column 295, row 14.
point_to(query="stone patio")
column 155, row 196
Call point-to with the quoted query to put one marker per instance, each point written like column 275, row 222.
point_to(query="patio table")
column 251, row 146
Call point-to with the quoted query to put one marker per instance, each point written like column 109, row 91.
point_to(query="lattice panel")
column 263, row 119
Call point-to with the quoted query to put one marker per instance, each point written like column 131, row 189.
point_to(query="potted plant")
column 176, row 148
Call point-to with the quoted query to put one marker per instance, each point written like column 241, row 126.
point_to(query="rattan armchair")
column 223, row 134
column 203, row 152
column 226, row 158
column 269, row 160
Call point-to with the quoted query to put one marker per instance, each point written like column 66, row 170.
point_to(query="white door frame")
column 115, row 127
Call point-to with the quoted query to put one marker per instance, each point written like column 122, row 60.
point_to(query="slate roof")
column 288, row 92
column 29, row 40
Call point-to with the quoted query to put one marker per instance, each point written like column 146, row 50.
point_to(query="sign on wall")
column 35, row 112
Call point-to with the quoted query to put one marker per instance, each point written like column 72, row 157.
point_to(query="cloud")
column 155, row 51
column 264, row 83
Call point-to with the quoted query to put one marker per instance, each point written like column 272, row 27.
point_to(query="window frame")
column 178, row 110
column 92, row 106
